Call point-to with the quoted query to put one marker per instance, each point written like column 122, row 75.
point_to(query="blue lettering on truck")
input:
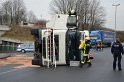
column 109, row 37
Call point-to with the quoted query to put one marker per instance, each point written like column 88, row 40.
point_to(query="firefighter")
column 117, row 50
column 85, row 46
column 99, row 46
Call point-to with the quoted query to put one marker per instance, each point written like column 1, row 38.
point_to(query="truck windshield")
column 92, row 37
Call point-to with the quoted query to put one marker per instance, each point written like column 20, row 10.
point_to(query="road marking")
column 17, row 68
column 9, row 71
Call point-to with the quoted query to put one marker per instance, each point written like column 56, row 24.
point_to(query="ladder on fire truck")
column 50, row 48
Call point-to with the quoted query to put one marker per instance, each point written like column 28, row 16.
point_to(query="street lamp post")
column 115, row 16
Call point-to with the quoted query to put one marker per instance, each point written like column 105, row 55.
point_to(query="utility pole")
column 115, row 17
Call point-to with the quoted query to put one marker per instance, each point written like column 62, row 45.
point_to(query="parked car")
column 25, row 48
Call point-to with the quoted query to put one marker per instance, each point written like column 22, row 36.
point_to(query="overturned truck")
column 59, row 44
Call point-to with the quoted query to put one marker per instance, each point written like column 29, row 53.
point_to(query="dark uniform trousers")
column 117, row 57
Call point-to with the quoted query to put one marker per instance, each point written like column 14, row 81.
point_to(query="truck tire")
column 23, row 51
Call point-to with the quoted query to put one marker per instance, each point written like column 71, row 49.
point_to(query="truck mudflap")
column 37, row 60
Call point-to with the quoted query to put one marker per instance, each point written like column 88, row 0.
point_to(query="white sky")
column 110, row 14
column 41, row 7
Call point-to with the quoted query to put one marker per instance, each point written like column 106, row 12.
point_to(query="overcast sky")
column 110, row 13
column 41, row 7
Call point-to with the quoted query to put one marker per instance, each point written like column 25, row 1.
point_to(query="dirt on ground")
column 22, row 60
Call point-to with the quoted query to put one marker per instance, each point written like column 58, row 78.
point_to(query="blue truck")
column 106, row 37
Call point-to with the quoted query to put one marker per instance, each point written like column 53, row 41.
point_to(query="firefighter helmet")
column 87, row 38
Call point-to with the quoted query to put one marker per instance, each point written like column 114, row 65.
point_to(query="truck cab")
column 57, row 44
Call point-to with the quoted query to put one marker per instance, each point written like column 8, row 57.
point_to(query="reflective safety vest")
column 82, row 44
column 86, row 48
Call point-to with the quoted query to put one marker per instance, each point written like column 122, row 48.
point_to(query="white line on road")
column 8, row 71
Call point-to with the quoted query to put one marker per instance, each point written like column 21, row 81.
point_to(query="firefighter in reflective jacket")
column 85, row 46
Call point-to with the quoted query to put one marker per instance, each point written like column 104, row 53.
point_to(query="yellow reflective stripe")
column 82, row 44
column 85, row 50
column 88, row 61
column 85, row 54
column 82, row 62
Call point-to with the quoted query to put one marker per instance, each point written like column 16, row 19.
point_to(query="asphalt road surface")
column 100, row 71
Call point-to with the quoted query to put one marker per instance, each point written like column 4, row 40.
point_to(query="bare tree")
column 91, row 14
column 62, row 6
column 18, row 10
column 14, row 11
column 97, row 15
column 31, row 17
column 6, row 8
column 1, row 16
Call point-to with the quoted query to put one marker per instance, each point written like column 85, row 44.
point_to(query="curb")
column 4, row 55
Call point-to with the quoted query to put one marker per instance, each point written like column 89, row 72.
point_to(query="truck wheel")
column 23, row 51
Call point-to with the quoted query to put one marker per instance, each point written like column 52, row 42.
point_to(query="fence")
column 8, row 47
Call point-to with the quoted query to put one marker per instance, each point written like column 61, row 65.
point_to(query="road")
column 100, row 71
